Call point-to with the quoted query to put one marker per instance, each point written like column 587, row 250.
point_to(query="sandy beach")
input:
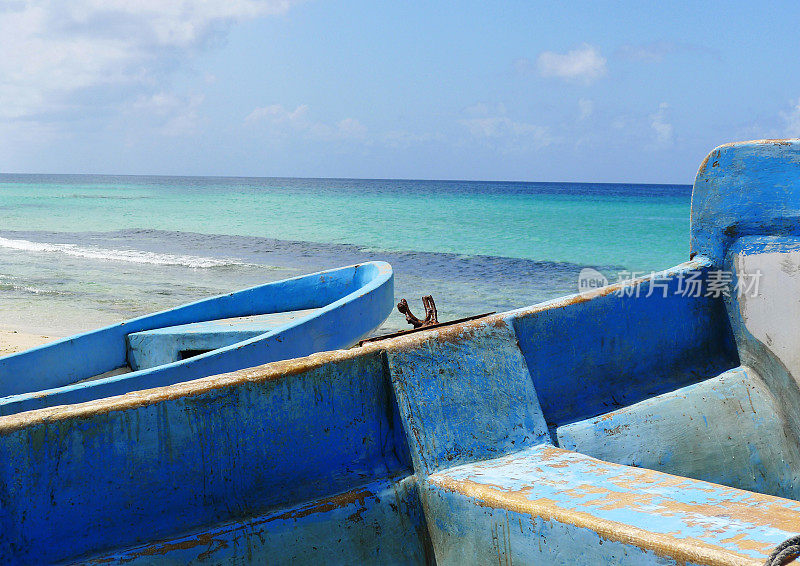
column 12, row 341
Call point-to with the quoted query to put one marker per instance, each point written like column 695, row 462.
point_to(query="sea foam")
column 129, row 256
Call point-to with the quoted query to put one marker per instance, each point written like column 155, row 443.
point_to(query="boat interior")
column 160, row 346
column 639, row 423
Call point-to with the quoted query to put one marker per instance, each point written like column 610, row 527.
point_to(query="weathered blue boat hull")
column 633, row 424
column 347, row 304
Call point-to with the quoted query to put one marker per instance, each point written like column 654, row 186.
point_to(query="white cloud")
column 586, row 108
column 179, row 23
column 483, row 109
column 175, row 115
column 491, row 123
column 503, row 126
column 282, row 122
column 584, row 64
column 792, row 120
column 662, row 129
column 351, row 128
column 52, row 51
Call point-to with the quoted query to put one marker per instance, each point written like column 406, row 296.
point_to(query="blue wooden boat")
column 279, row 320
column 638, row 423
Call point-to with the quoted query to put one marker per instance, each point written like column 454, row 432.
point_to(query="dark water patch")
column 231, row 252
column 352, row 186
column 463, row 285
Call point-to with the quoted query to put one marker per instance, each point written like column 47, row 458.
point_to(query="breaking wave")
column 129, row 256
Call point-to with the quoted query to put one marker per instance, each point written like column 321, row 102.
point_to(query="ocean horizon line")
column 335, row 178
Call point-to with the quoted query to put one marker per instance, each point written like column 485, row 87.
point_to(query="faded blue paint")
column 151, row 348
column 510, row 495
column 459, row 381
column 745, row 189
column 481, row 534
column 124, row 477
column 747, row 447
column 303, row 460
column 350, row 302
column 369, row 525
column 619, row 347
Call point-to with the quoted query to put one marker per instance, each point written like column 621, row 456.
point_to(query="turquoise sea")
column 79, row 251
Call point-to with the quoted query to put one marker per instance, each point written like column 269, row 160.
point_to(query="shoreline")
column 13, row 341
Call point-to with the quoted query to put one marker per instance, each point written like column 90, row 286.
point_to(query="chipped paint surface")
column 619, row 348
column 369, row 525
column 725, row 430
column 483, row 534
column 750, row 189
column 165, row 465
column 450, row 387
column 672, row 517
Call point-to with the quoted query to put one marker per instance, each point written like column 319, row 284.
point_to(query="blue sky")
column 551, row 91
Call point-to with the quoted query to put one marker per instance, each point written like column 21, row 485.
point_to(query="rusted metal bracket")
column 430, row 312
column 430, row 321
column 421, row 328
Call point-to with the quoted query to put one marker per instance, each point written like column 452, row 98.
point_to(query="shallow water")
column 80, row 251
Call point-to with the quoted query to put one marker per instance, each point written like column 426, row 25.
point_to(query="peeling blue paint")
column 745, row 448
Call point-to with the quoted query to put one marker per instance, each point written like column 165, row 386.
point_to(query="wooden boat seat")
column 546, row 505
column 159, row 346
column 496, row 489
